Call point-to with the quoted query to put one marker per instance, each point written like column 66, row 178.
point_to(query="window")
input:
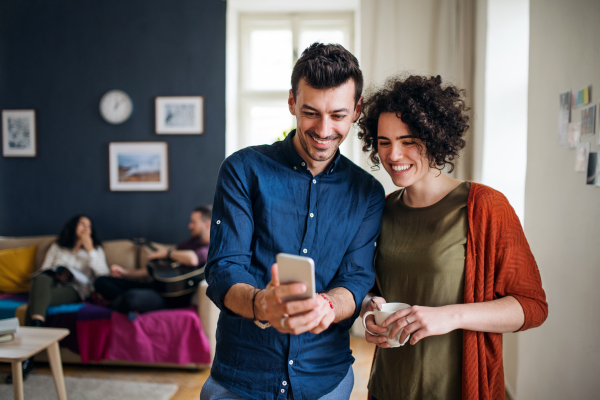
column 269, row 45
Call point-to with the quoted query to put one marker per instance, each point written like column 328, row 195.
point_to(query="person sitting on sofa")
column 127, row 291
column 67, row 274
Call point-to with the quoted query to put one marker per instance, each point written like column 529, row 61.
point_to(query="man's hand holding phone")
column 295, row 316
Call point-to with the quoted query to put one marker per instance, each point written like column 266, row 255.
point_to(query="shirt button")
column 218, row 222
column 312, row 215
column 294, row 167
column 304, row 251
column 282, row 391
column 303, row 163
column 284, row 383
column 291, row 362
column 314, row 181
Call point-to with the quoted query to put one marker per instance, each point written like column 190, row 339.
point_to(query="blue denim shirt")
column 267, row 202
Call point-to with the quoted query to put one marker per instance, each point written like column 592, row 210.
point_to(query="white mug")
column 387, row 309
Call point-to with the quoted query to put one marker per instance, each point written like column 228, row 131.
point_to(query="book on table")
column 8, row 328
column 7, row 337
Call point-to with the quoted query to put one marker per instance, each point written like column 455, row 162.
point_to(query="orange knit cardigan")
column 498, row 263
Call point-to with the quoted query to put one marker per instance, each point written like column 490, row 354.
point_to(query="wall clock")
column 115, row 107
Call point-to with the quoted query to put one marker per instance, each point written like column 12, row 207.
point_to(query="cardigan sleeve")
column 516, row 272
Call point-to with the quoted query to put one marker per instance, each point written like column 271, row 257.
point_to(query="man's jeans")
column 213, row 391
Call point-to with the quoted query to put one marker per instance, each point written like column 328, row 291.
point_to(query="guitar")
column 172, row 279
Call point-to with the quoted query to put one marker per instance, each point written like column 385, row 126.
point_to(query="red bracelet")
column 327, row 298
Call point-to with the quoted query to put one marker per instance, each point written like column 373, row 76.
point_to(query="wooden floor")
column 190, row 383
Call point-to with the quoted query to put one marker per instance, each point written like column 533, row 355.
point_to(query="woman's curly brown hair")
column 435, row 114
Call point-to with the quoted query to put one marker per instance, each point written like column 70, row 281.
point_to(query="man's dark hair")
column 68, row 236
column 326, row 66
column 205, row 211
column 435, row 114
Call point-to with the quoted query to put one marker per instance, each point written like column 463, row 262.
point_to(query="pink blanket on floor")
column 169, row 336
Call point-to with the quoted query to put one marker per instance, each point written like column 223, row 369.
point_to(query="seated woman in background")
column 67, row 275
column 454, row 250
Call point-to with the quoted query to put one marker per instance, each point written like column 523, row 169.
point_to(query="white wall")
column 500, row 116
column 561, row 359
column 505, row 125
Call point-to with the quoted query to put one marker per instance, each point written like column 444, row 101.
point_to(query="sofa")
column 128, row 255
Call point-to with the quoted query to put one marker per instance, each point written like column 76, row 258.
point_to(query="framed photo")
column 179, row 115
column 138, row 166
column 19, row 133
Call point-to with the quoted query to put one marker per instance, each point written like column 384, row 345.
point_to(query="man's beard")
column 314, row 153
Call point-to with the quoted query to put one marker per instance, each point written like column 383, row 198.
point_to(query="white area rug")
column 41, row 387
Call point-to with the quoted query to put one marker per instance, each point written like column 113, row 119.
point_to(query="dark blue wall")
column 59, row 57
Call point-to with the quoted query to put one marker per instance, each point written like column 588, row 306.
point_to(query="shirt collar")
column 298, row 162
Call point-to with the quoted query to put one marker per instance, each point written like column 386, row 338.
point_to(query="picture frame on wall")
column 179, row 115
column 19, row 133
column 138, row 166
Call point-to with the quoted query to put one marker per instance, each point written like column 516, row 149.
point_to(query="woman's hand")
column 422, row 322
column 85, row 241
column 380, row 341
column 117, row 271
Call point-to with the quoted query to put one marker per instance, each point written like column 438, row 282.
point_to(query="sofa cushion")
column 120, row 252
column 42, row 242
column 16, row 267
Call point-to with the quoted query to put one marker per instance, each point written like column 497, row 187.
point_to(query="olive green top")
column 420, row 260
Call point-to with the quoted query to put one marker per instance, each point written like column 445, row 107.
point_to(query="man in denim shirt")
column 297, row 196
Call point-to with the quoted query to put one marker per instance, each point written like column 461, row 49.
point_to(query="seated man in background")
column 129, row 290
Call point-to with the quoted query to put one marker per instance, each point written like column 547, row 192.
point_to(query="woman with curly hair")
column 69, row 269
column 67, row 274
column 454, row 250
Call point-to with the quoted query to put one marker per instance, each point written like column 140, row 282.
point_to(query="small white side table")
column 28, row 342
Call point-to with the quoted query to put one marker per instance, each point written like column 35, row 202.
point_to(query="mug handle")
column 365, row 323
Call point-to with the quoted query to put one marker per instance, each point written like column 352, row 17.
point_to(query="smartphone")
column 293, row 269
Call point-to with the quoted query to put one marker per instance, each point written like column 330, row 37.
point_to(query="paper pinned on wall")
column 598, row 119
column 581, row 97
column 564, row 116
column 573, row 134
column 593, row 171
column 581, row 162
column 588, row 121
